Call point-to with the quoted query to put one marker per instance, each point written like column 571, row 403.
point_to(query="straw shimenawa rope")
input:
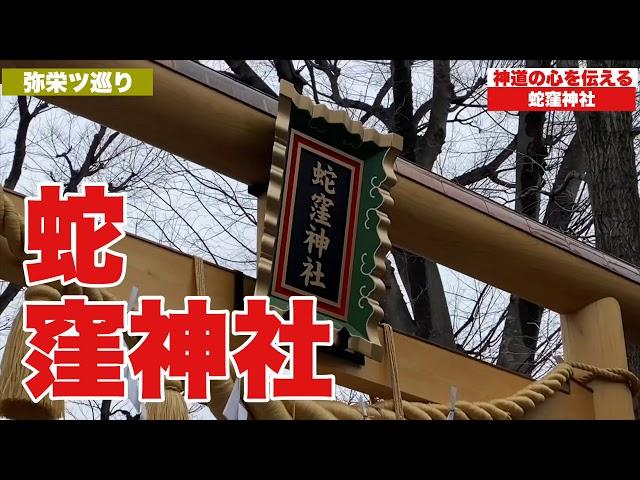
column 174, row 406
column 12, row 226
column 617, row 375
column 198, row 266
column 398, row 407
column 509, row 408
column 14, row 401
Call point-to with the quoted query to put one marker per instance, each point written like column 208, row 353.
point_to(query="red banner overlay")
column 76, row 346
column 562, row 89
column 554, row 99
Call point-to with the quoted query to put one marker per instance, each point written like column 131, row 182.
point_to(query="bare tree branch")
column 488, row 170
column 246, row 74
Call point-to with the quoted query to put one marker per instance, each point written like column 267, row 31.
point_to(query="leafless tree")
column 555, row 168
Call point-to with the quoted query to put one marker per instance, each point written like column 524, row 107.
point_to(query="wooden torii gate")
column 228, row 127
